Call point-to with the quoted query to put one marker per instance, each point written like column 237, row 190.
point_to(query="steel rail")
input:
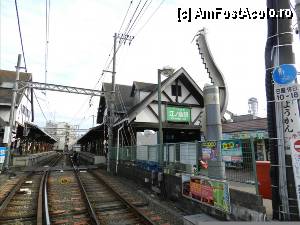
column 91, row 211
column 135, row 210
column 44, row 196
column 9, row 197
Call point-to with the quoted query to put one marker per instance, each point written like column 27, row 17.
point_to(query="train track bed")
column 129, row 196
column 65, row 202
column 7, row 184
column 22, row 208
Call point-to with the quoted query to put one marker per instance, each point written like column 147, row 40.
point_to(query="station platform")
column 92, row 158
column 31, row 160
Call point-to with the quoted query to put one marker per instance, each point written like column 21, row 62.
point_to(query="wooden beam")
column 152, row 110
column 167, row 96
column 190, row 94
column 194, row 121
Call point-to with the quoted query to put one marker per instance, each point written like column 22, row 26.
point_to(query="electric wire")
column 138, row 16
column 154, row 12
column 125, row 16
column 47, row 38
column 40, row 106
column 105, row 65
column 20, row 34
column 143, row 13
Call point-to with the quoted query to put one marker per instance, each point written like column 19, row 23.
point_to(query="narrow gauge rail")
column 23, row 204
column 65, row 201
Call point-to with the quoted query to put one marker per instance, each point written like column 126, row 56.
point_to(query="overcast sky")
column 81, row 37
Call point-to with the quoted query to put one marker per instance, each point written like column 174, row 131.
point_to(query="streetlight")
column 166, row 71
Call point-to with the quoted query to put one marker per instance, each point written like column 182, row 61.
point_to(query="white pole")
column 118, row 148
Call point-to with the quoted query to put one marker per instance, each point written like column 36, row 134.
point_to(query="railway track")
column 22, row 205
column 56, row 196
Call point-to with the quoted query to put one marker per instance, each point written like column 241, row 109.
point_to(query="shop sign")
column 261, row 134
column 208, row 191
column 295, row 149
column 231, row 150
column 286, row 93
column 291, row 123
column 2, row 154
column 178, row 114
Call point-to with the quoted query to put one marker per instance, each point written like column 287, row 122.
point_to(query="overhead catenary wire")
column 20, row 34
column 40, row 106
column 47, row 37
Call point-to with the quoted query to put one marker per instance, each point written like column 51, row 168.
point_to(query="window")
column 173, row 87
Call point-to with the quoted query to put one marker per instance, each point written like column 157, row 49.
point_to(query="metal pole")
column 112, row 106
column 297, row 9
column 118, row 148
column 160, row 132
column 12, row 113
column 254, row 165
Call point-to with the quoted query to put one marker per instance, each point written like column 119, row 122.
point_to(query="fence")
column 193, row 158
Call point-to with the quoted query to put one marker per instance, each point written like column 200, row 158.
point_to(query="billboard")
column 232, row 151
column 208, row 191
column 178, row 114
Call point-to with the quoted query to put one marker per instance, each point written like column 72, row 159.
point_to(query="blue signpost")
column 2, row 154
column 284, row 74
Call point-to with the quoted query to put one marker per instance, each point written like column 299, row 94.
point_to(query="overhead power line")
column 20, row 34
column 40, row 106
column 154, row 12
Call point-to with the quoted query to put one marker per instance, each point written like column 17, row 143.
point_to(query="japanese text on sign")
column 178, row 114
column 286, row 93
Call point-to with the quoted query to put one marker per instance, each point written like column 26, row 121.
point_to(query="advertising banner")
column 209, row 150
column 295, row 148
column 2, row 154
column 232, row 151
column 208, row 191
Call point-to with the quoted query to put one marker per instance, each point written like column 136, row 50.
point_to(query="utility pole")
column 111, row 105
column 279, row 51
column 12, row 114
column 297, row 9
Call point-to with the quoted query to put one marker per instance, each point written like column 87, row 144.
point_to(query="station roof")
column 90, row 135
column 249, row 125
column 36, row 133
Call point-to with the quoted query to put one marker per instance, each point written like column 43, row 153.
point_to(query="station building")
column 136, row 114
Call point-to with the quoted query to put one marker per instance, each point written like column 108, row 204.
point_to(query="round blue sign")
column 284, row 74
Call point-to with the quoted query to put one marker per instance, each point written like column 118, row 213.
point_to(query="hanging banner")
column 208, row 191
column 295, row 149
column 2, row 154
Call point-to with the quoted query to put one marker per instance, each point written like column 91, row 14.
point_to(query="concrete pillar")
column 216, row 168
column 212, row 111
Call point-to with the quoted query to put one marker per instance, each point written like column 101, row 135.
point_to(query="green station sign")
column 178, row 114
